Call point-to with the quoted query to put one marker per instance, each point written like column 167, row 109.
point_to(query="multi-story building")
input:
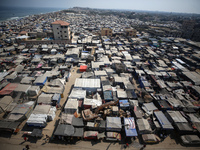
column 106, row 32
column 61, row 30
column 130, row 32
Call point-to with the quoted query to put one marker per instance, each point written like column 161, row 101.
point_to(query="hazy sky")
column 188, row 6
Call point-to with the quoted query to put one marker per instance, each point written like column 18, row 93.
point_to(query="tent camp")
column 113, row 124
column 130, row 127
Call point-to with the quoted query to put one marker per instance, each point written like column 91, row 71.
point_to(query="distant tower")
column 61, row 30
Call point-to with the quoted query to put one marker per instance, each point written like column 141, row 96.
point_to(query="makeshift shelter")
column 113, row 124
column 45, row 99
column 40, row 81
column 71, row 106
column 56, row 99
column 39, row 116
column 33, row 90
column 130, row 127
column 143, row 126
column 4, row 103
column 149, row 108
column 121, row 94
column 8, row 89
column 64, row 130
column 77, row 93
column 78, row 132
column 22, row 88
column 164, row 122
column 77, row 122
column 94, row 102
column 21, row 111
column 9, row 126
column 66, row 118
column 87, row 84
column 27, row 80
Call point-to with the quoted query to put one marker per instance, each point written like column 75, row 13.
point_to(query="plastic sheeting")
column 8, row 89
column 164, row 122
column 64, row 130
column 38, row 120
column 77, row 93
column 87, row 83
column 130, row 128
column 113, row 124
column 143, row 126
column 71, row 106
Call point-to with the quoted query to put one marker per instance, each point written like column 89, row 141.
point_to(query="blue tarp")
column 130, row 128
column 40, row 81
column 124, row 103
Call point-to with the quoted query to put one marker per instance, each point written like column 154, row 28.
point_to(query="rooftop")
column 62, row 23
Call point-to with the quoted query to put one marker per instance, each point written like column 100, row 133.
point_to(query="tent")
column 143, row 126
column 71, row 106
column 5, row 102
column 21, row 111
column 113, row 124
column 64, row 130
column 8, row 89
column 130, row 127
column 40, row 81
column 164, row 122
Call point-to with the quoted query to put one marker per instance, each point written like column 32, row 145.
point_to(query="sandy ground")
column 16, row 142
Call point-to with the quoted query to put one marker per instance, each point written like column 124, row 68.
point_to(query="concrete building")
column 106, row 32
column 61, row 30
column 130, row 32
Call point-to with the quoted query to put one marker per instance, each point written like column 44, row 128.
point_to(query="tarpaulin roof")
column 77, row 93
column 130, row 127
column 143, row 126
column 9, row 125
column 22, row 88
column 78, row 132
column 8, row 89
column 37, row 133
column 87, row 83
column 41, row 109
column 5, row 101
column 113, row 123
column 64, row 130
column 164, row 122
